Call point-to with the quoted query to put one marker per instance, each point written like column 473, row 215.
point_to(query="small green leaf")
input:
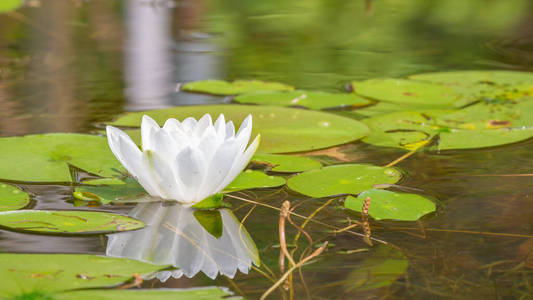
column 221, row 87
column 211, row 221
column 104, row 181
column 391, row 205
column 309, row 99
column 46, row 273
column 12, row 198
column 341, row 179
column 286, row 163
column 250, row 179
column 67, row 222
column 214, row 201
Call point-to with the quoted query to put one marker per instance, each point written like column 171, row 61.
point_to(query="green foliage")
column 67, row 222
column 309, row 99
column 10, row 5
column 341, row 179
column 110, row 190
column 250, row 179
column 152, row 294
column 48, row 156
column 211, row 221
column 282, row 129
column 286, row 163
column 391, row 205
column 47, row 273
column 221, row 87
column 12, row 198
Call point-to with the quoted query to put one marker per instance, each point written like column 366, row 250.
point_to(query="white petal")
column 209, row 144
column 171, row 187
column 188, row 124
column 220, row 166
column 230, row 130
column 202, row 125
column 220, row 125
column 172, row 124
column 148, row 128
column 243, row 135
column 165, row 146
column 240, row 163
column 190, row 169
column 131, row 158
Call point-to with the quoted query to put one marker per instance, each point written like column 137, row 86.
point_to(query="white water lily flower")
column 185, row 161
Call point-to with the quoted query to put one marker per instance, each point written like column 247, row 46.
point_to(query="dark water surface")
column 67, row 65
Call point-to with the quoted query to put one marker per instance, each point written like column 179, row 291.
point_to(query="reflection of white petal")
column 174, row 236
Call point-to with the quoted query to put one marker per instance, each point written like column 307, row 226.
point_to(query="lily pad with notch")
column 286, row 163
column 48, row 273
column 342, row 179
column 309, row 99
column 67, row 222
column 49, row 157
column 221, row 87
column 251, row 179
column 282, row 129
column 12, row 198
column 391, row 205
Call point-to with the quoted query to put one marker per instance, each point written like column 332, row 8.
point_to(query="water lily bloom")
column 185, row 161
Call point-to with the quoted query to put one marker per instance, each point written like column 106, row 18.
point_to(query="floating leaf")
column 382, row 108
column 281, row 129
column 250, row 179
column 152, row 294
column 48, row 156
column 383, row 268
column 128, row 191
column 391, row 205
column 477, row 126
column 341, row 179
column 286, row 163
column 407, row 92
column 214, row 201
column 12, row 198
column 104, row 181
column 26, row 273
column 476, row 77
column 9, row 5
column 312, row 100
column 67, row 222
column 221, row 87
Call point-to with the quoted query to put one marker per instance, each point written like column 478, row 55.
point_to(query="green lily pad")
column 286, row 163
column 48, row 156
column 12, row 198
column 105, row 181
column 10, row 5
column 221, row 87
column 382, row 108
column 476, row 76
column 309, row 99
column 407, row 92
column 251, row 179
column 391, row 205
column 383, row 268
column 342, row 179
column 46, row 273
column 477, row 126
column 282, row 129
column 129, row 190
column 67, row 222
column 152, row 294
column 214, row 201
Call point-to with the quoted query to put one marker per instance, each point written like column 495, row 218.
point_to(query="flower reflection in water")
column 191, row 240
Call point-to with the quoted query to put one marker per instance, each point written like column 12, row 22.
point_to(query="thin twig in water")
column 298, row 265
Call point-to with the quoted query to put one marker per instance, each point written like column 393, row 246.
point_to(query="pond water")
column 70, row 66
